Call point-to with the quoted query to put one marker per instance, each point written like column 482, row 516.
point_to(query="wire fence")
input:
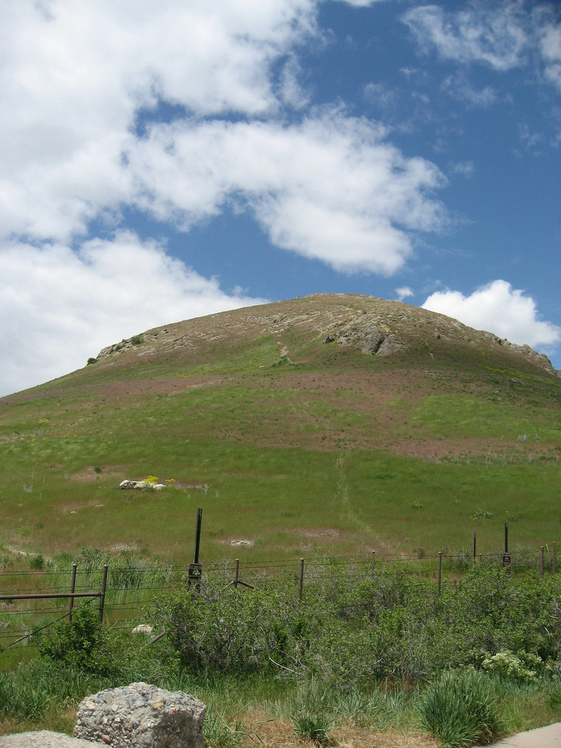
column 32, row 601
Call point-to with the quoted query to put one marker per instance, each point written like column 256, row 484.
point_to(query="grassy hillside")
column 330, row 424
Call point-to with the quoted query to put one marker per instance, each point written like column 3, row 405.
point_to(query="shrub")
column 312, row 727
column 37, row 562
column 230, row 631
column 460, row 709
column 522, row 667
column 83, row 644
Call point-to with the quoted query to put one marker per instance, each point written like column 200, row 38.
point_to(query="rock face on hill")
column 364, row 323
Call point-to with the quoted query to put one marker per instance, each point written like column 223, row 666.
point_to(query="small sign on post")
column 194, row 576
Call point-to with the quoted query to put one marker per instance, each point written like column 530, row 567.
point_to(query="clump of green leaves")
column 313, row 727
column 220, row 732
column 523, row 667
column 37, row 562
column 83, row 644
column 460, row 709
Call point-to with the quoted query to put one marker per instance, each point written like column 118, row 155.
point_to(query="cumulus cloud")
column 330, row 188
column 59, row 307
column 550, row 44
column 404, row 292
column 76, row 74
column 79, row 75
column 499, row 308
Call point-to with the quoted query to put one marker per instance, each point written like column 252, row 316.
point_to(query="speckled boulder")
column 142, row 716
column 45, row 739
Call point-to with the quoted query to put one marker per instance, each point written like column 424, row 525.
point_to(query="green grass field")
column 321, row 450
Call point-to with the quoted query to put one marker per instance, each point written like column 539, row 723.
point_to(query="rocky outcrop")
column 364, row 323
column 142, row 716
column 367, row 336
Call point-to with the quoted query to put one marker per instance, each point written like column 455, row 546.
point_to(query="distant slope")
column 328, row 423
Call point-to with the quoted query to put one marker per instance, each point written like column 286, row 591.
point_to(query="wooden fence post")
column 301, row 581
column 237, row 572
column 72, row 590
column 439, row 572
column 373, row 564
column 102, row 593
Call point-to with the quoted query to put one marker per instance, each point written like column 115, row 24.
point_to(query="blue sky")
column 164, row 160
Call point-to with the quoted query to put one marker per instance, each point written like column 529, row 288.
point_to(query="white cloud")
column 404, row 292
column 501, row 35
column 463, row 168
column 379, row 95
column 550, row 44
column 76, row 73
column 331, row 188
column 459, row 88
column 363, row 3
column 492, row 35
column 59, row 307
column 499, row 308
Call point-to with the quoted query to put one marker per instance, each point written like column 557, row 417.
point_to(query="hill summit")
column 364, row 323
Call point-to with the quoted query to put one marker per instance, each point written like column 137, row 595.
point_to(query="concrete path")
column 543, row 737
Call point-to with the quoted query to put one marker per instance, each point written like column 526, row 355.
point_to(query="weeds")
column 312, row 727
column 221, row 732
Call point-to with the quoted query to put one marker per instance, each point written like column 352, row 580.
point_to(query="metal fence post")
column 237, row 572
column 72, row 590
column 439, row 572
column 553, row 559
column 301, row 581
column 541, row 562
column 102, row 593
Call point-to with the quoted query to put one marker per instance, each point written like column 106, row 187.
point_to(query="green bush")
column 84, row 644
column 37, row 562
column 460, row 709
column 357, row 628
column 312, row 727
column 521, row 667
column 229, row 630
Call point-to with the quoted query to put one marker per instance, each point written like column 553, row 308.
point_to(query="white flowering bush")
column 522, row 667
